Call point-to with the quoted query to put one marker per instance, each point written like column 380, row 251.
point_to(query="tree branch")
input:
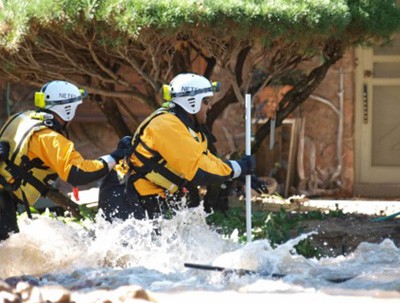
column 333, row 51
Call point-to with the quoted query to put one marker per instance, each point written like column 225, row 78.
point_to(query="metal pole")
column 248, row 177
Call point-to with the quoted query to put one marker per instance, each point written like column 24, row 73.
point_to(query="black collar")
column 185, row 118
column 54, row 124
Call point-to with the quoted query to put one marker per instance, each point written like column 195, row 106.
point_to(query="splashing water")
column 98, row 254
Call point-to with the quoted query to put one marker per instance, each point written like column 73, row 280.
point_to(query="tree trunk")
column 300, row 92
column 113, row 115
column 63, row 201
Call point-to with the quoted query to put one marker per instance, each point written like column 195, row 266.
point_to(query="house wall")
column 322, row 131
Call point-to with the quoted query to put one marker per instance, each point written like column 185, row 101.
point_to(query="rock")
column 50, row 293
column 121, row 294
column 9, row 297
column 125, row 293
column 31, row 280
column 24, row 290
column 4, row 286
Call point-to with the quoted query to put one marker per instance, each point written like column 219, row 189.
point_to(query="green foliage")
column 226, row 223
column 33, row 210
column 87, row 213
column 306, row 249
column 283, row 13
column 277, row 227
column 374, row 18
column 357, row 20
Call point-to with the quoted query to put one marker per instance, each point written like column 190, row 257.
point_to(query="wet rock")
column 6, row 293
column 50, row 293
column 8, row 297
column 125, row 293
column 32, row 296
column 24, row 292
column 31, row 280
column 4, row 286
column 23, row 289
column 121, row 294
column 49, row 277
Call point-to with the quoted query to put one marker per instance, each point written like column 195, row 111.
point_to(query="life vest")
column 154, row 167
column 26, row 179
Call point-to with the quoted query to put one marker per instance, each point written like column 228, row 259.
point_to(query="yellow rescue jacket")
column 167, row 153
column 38, row 154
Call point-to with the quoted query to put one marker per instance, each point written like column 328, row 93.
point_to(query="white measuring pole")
column 248, row 177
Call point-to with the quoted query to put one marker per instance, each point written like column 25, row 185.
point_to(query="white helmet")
column 60, row 97
column 188, row 90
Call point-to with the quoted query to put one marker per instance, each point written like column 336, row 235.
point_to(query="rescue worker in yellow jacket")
column 35, row 149
column 168, row 151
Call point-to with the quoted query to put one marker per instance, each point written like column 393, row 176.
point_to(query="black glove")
column 247, row 164
column 125, row 142
column 4, row 150
column 122, row 148
column 257, row 184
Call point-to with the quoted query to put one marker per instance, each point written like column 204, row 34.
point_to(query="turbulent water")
column 98, row 255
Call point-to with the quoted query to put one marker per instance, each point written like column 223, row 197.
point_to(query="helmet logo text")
column 66, row 95
column 188, row 88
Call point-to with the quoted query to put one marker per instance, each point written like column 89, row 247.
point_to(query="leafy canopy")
column 356, row 20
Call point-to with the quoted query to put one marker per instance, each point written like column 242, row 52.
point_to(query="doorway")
column 377, row 113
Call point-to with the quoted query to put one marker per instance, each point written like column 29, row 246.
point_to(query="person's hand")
column 125, row 142
column 4, row 150
column 247, row 165
column 123, row 146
